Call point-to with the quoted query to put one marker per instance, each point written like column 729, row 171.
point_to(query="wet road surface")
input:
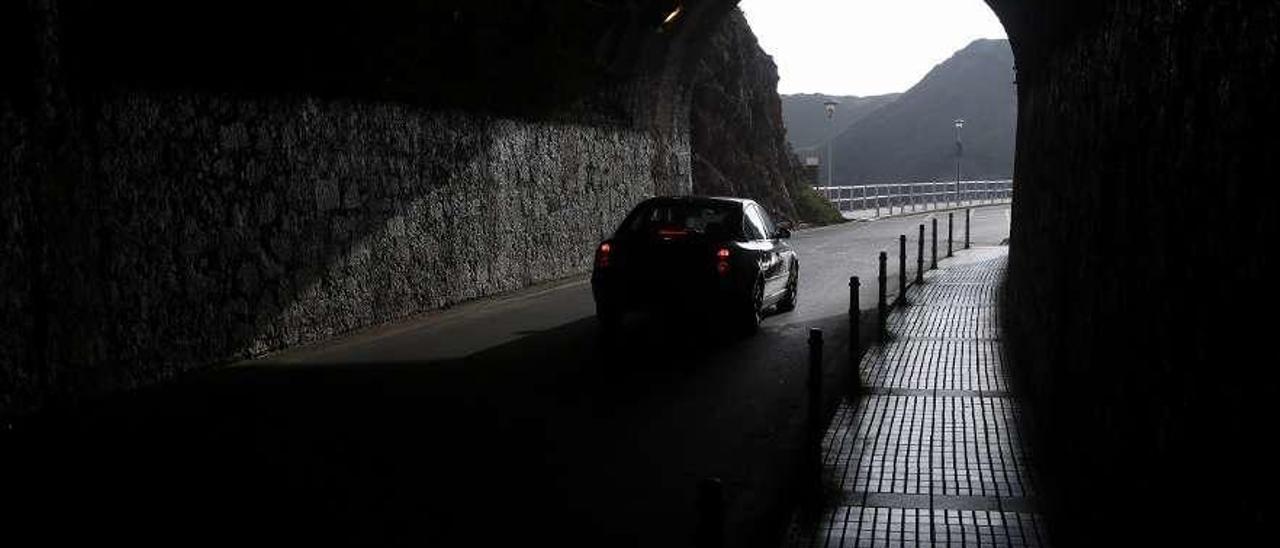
column 504, row 421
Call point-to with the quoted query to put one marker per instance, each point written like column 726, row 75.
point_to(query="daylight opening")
column 893, row 106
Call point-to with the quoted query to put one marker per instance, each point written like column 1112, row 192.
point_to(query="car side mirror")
column 783, row 233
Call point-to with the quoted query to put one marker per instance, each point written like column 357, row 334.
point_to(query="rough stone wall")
column 1137, row 299
column 33, row 152
column 153, row 224
column 15, row 268
column 220, row 227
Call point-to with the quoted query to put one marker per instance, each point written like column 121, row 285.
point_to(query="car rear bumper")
column 621, row 293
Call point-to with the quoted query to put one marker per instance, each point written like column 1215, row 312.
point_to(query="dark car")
column 722, row 255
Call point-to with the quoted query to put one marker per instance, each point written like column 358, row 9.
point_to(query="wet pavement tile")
column 931, row 454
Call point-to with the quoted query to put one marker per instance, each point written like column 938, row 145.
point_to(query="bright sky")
column 864, row 47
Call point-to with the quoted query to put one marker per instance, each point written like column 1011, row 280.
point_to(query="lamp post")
column 831, row 105
column 959, row 154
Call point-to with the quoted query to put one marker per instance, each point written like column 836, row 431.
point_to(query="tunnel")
column 189, row 185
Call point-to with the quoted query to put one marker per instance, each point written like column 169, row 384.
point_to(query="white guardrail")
column 908, row 197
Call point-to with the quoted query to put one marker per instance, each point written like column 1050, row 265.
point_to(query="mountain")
column 913, row 137
column 805, row 116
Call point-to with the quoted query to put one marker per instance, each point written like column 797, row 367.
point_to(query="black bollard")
column 902, row 270
column 934, row 265
column 710, row 533
column 816, row 425
column 855, row 324
column 920, row 258
column 883, row 304
column 967, row 213
column 951, row 233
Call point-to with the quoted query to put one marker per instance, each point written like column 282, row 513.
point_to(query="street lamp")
column 959, row 154
column 831, row 105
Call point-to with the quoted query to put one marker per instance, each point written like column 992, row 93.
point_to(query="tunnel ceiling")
column 473, row 54
column 510, row 56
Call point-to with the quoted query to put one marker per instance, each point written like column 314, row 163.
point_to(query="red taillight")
column 723, row 254
column 602, row 255
column 722, row 261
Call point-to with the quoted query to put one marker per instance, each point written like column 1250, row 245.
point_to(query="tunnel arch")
column 150, row 149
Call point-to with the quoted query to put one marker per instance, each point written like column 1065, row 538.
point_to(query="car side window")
column 749, row 228
column 769, row 228
column 756, row 224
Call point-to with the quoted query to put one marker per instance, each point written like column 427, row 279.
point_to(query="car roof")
column 722, row 200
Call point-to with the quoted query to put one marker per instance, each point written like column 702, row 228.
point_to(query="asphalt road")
column 503, row 421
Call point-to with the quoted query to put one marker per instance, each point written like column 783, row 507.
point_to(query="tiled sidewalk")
column 932, row 455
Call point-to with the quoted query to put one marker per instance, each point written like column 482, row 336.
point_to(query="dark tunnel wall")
column 191, row 184
column 1137, row 306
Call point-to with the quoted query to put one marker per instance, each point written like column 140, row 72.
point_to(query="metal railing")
column 909, row 197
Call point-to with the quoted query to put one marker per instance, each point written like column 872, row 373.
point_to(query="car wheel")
column 788, row 302
column 754, row 309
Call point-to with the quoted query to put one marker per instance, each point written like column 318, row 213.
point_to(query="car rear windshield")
column 709, row 219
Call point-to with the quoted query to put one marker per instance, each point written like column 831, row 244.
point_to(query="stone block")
column 327, row 194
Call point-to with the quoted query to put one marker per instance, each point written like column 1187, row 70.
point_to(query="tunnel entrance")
column 190, row 186
column 915, row 102
column 248, row 166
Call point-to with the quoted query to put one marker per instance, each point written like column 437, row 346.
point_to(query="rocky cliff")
column 738, row 136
